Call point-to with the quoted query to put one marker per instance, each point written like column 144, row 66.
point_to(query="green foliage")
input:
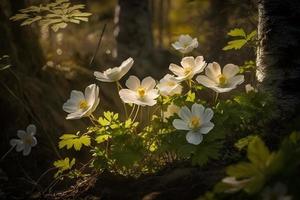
column 240, row 39
column 70, row 140
column 56, row 15
column 63, row 165
column 264, row 166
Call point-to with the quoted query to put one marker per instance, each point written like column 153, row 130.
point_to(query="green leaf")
column 237, row 32
column 70, row 140
column 102, row 138
column 190, row 96
column 258, row 153
column 244, row 142
column 235, row 44
column 63, row 165
column 251, row 35
column 242, row 170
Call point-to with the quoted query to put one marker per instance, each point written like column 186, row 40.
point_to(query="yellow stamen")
column 83, row 104
column 187, row 71
column 222, row 80
column 171, row 84
column 195, row 122
column 141, row 92
column 28, row 140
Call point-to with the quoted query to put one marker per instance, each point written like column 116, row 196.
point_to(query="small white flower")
column 26, row 141
column 218, row 81
column 138, row 93
column 82, row 105
column 249, row 88
column 278, row 192
column 196, row 121
column 171, row 110
column 185, row 44
column 190, row 67
column 235, row 185
column 116, row 73
column 168, row 86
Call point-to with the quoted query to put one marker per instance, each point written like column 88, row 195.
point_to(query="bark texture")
column 133, row 32
column 278, row 57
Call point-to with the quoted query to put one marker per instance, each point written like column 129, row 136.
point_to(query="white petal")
column 14, row 142
column 230, row 70
column 185, row 114
column 236, row 80
column 207, row 115
column 21, row 134
column 72, row 104
column 148, row 83
column 205, row 128
column 76, row 115
column 31, row 129
column 197, row 110
column 188, row 62
column 221, row 89
column 26, row 150
column 176, row 45
column 128, row 96
column 92, row 96
column 153, row 93
column 185, row 39
column 133, row 83
column 177, row 70
column 194, row 137
column 213, row 70
column 199, row 65
column 194, row 43
column 125, row 67
column 20, row 146
column 180, row 124
column 101, row 77
column 34, row 141
column 204, row 80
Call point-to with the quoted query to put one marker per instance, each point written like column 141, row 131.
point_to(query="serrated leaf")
column 235, row 44
column 69, row 141
column 102, row 138
column 237, row 32
column 258, row 153
column 190, row 96
column 251, row 35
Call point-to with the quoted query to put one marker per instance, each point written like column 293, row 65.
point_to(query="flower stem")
column 119, row 86
column 2, row 158
column 136, row 114
column 216, row 97
column 133, row 108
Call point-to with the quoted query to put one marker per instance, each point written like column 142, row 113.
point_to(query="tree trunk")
column 134, row 33
column 278, row 53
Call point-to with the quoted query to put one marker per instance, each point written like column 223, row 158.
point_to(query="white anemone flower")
column 190, row 67
column 196, row 121
column 218, row 81
column 26, row 140
column 116, row 73
column 139, row 93
column 168, row 86
column 185, row 44
column 82, row 105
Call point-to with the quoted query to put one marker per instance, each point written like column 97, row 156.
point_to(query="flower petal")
column 188, row 62
column 230, row 70
column 177, row 70
column 213, row 70
column 236, row 80
column 34, row 141
column 221, row 89
column 133, row 83
column 101, row 77
column 14, row 142
column 31, row 129
column 179, row 124
column 125, row 67
column 197, row 110
column 185, row 114
column 128, row 96
column 205, row 128
column 204, row 80
column 148, row 83
column 194, row 137
column 21, row 134
column 71, row 105
column 26, row 150
column 207, row 115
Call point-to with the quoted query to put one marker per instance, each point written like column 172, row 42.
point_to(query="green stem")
column 136, row 114
column 216, row 98
column 4, row 156
column 124, row 105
